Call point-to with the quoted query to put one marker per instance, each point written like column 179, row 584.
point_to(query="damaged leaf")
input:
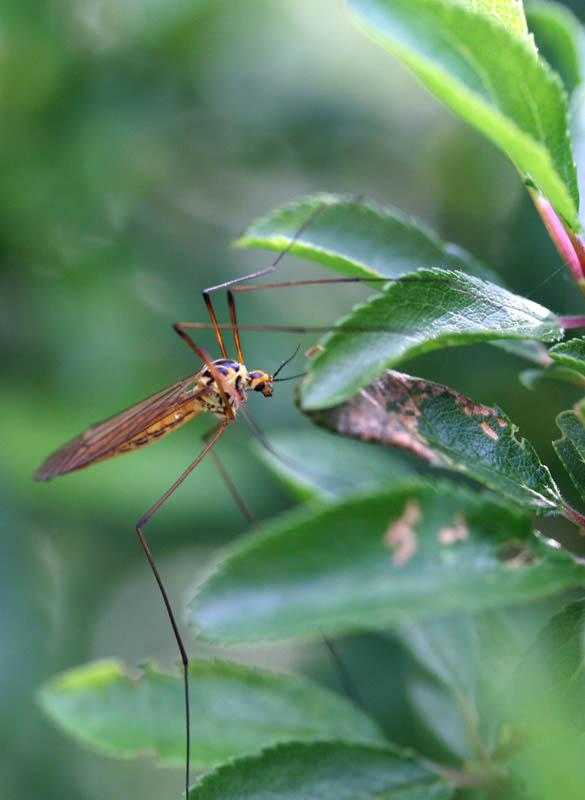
column 448, row 430
column 377, row 559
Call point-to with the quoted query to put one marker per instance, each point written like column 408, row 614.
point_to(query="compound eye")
column 259, row 386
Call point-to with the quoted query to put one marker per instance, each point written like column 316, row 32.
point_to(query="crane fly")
column 219, row 387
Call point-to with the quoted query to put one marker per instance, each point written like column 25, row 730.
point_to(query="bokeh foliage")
column 138, row 141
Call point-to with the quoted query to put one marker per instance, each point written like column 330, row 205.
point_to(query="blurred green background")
column 139, row 139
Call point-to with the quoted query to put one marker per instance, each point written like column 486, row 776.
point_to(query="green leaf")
column 509, row 13
column 546, row 696
column 570, row 354
column 356, row 237
column 564, row 362
column 549, row 772
column 462, row 663
column 335, row 466
column 531, row 378
column 473, row 64
column 559, row 37
column 571, row 448
column 377, row 559
column 448, row 430
column 324, row 771
column 234, row 710
column 424, row 311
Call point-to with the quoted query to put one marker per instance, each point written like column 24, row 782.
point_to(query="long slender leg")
column 206, row 292
column 232, row 301
column 184, row 657
column 236, row 327
column 240, row 502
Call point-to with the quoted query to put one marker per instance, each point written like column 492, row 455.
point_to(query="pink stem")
column 572, row 322
column 574, row 515
column 569, row 244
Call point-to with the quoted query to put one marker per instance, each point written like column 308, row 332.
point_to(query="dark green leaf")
column 448, row 430
column 424, row 311
column 570, row 354
column 357, row 237
column 410, row 551
column 234, row 710
column 571, row 448
column 472, row 62
column 324, row 771
column 531, row 378
column 564, row 362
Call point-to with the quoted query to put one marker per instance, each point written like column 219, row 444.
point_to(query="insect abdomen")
column 159, row 429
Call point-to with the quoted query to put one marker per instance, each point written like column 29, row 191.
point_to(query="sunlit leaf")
column 472, row 63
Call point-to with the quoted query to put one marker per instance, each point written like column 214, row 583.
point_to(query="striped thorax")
column 236, row 382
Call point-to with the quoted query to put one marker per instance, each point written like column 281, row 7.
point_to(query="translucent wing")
column 135, row 427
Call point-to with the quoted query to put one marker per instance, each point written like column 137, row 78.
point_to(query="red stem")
column 569, row 244
column 572, row 322
column 574, row 516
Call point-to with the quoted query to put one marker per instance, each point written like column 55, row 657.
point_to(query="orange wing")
column 135, row 427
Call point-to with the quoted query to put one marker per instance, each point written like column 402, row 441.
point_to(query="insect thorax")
column 235, row 384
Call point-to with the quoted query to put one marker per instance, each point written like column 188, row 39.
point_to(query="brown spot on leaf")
column 471, row 408
column 489, row 431
column 400, row 535
column 394, row 410
column 317, row 348
column 458, row 532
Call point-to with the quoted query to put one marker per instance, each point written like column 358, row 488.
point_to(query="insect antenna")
column 285, row 362
column 289, row 377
